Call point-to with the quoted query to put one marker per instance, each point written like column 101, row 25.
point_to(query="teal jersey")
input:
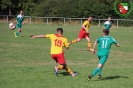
column 104, row 45
column 20, row 18
column 107, row 25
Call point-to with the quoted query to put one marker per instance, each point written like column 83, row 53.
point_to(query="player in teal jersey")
column 104, row 45
column 20, row 19
column 107, row 24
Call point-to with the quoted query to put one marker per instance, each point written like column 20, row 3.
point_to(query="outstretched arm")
column 93, row 50
column 38, row 36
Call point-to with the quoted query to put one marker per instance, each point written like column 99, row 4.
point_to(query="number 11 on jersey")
column 104, row 43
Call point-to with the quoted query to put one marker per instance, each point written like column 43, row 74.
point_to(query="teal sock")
column 99, row 72
column 95, row 72
column 17, row 33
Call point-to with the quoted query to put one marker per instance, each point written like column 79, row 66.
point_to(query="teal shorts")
column 19, row 25
column 102, row 59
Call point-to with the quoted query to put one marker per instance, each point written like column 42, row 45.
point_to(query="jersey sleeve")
column 98, row 39
column 49, row 36
column 104, row 24
column 114, row 41
column 85, row 23
column 66, row 43
column 17, row 18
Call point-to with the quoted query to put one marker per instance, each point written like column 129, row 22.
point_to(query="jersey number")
column 58, row 42
column 104, row 44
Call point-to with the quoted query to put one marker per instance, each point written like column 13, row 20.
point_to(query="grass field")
column 26, row 62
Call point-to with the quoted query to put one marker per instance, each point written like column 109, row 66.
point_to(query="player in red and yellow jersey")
column 58, row 41
column 84, row 33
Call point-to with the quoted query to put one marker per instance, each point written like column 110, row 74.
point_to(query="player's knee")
column 79, row 39
column 20, row 30
column 99, row 66
column 64, row 66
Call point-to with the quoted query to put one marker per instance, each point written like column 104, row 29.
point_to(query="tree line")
column 61, row 8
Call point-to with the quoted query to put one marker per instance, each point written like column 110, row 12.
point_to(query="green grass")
column 26, row 62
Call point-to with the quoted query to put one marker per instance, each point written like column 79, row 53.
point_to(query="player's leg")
column 98, row 68
column 94, row 72
column 54, row 56
column 70, row 71
column 99, row 73
column 62, row 64
column 88, row 42
column 75, row 40
column 80, row 36
column 19, row 30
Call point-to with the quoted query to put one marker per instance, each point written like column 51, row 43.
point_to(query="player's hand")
column 93, row 51
column 32, row 36
column 86, row 32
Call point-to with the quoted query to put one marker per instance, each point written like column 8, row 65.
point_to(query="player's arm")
column 17, row 19
column 94, row 46
column 84, row 26
column 115, row 42
column 38, row 36
column 66, row 44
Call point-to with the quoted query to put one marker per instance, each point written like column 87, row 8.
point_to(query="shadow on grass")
column 112, row 77
column 66, row 73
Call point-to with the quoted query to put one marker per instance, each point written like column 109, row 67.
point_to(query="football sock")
column 99, row 72
column 89, row 45
column 17, row 33
column 73, row 41
column 95, row 71
column 60, row 67
column 68, row 70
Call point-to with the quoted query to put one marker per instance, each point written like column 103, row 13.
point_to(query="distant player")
column 20, row 19
column 58, row 41
column 107, row 25
column 84, row 33
column 104, row 46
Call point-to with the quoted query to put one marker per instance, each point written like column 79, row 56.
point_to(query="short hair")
column 60, row 29
column 105, row 31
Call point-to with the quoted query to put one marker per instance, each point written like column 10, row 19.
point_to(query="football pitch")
column 27, row 63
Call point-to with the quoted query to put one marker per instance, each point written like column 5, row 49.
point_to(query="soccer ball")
column 12, row 26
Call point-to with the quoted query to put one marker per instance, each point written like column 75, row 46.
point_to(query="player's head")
column 90, row 18
column 21, row 12
column 60, row 31
column 105, row 32
column 109, row 18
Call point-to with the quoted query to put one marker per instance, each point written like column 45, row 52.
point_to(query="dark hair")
column 60, row 29
column 106, row 31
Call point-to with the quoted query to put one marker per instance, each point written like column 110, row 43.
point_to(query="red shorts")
column 82, row 34
column 59, row 58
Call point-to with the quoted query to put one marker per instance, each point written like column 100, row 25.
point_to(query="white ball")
column 12, row 26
